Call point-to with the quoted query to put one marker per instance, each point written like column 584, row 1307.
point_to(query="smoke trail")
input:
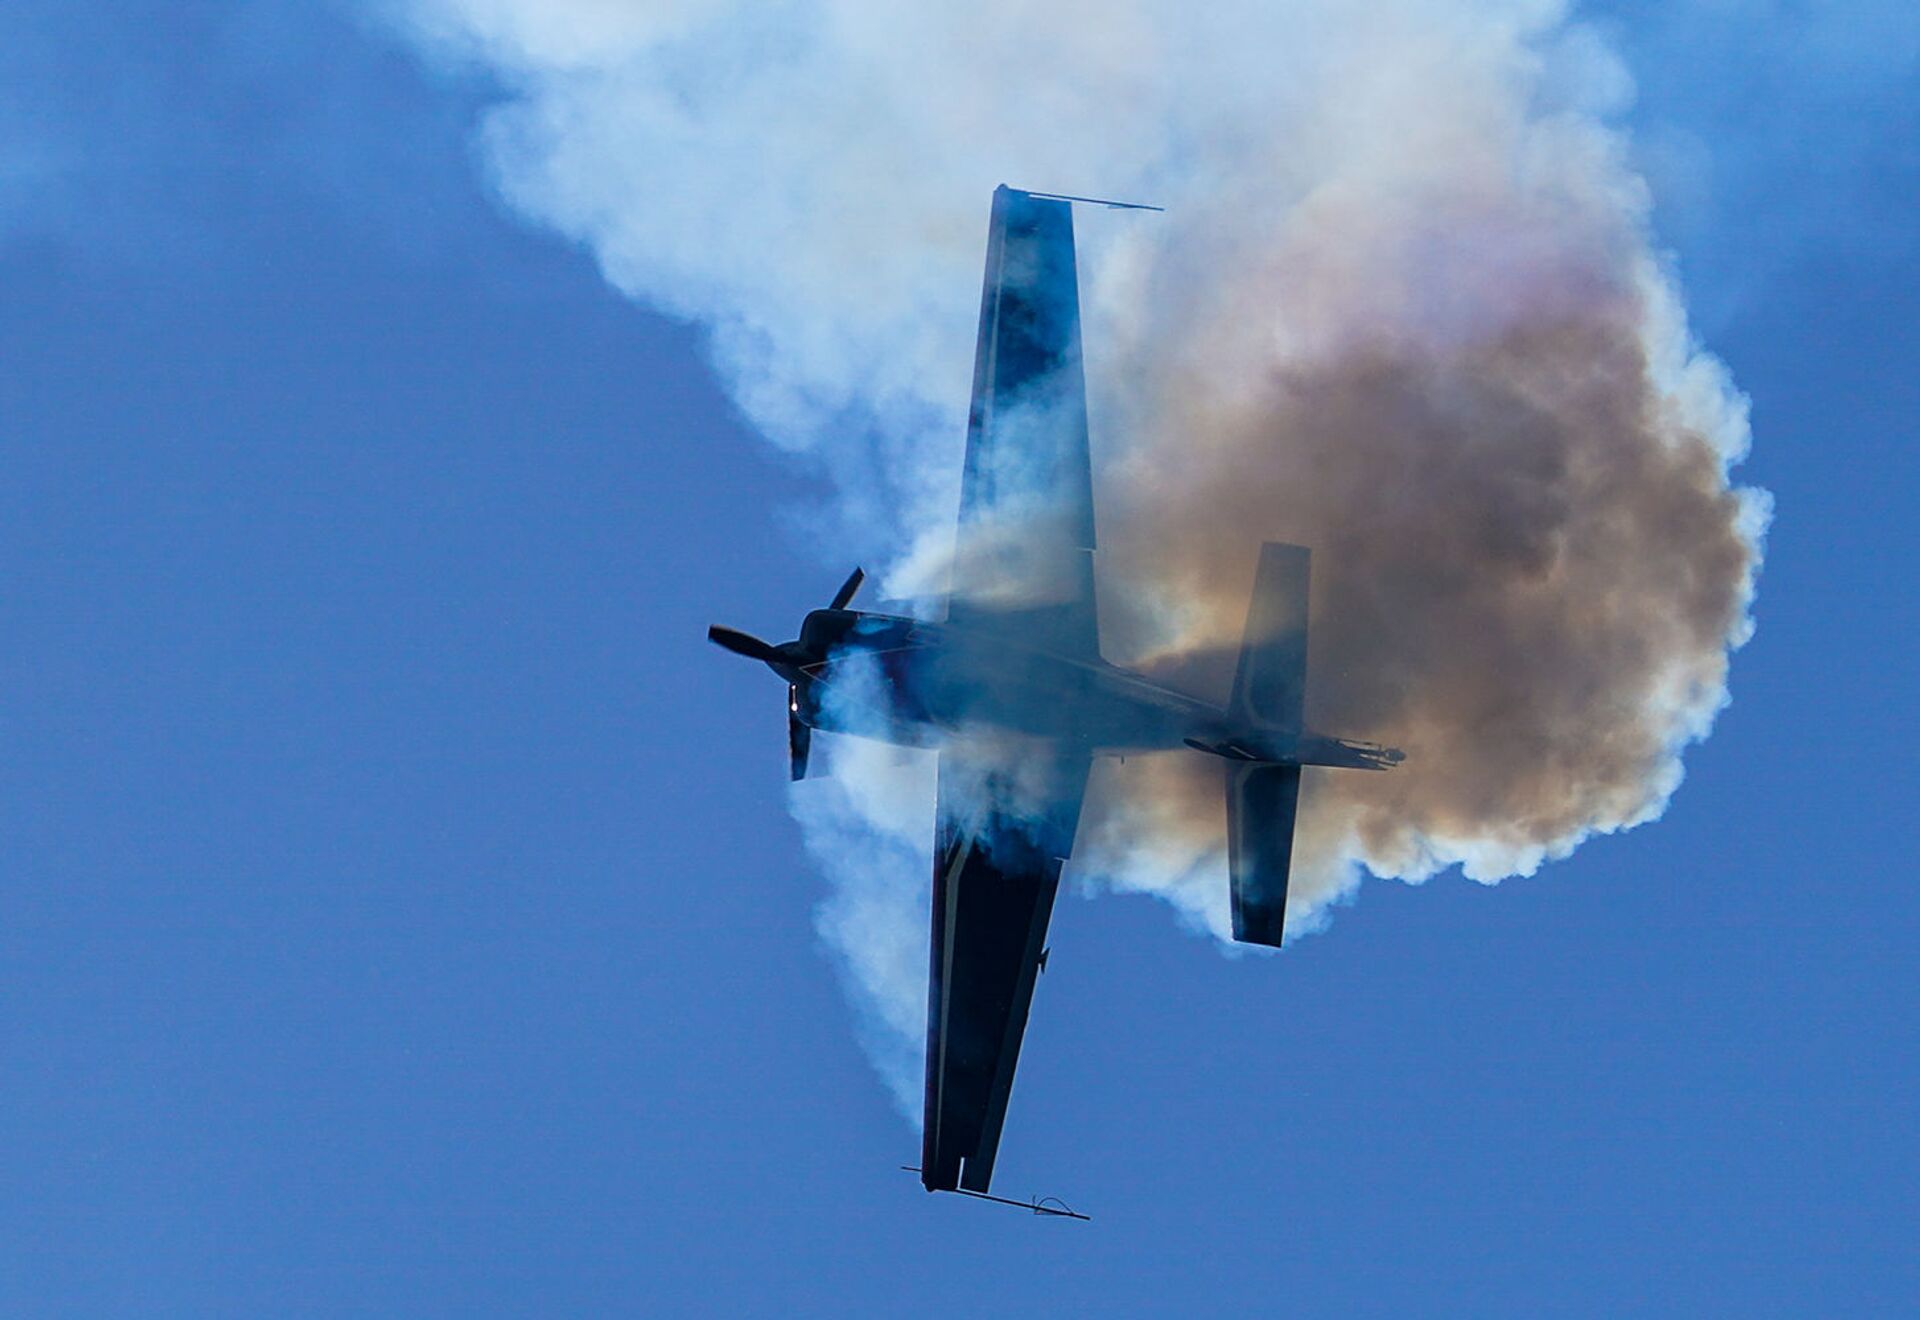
column 1403, row 309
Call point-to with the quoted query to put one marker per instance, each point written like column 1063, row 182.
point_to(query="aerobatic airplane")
column 1011, row 693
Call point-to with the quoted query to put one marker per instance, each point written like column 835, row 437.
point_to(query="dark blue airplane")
column 1011, row 691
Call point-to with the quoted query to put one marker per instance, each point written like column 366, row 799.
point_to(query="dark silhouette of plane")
column 1012, row 692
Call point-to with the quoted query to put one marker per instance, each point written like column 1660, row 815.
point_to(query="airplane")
column 1011, row 692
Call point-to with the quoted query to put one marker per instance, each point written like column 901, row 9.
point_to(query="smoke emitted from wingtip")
column 1403, row 309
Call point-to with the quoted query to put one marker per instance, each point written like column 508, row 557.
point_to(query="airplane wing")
column 1023, row 564
column 1004, row 830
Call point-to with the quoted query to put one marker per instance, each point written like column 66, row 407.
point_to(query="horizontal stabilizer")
column 1262, row 801
column 1269, row 689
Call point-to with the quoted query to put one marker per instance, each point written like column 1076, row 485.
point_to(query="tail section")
column 1269, row 695
column 1266, row 741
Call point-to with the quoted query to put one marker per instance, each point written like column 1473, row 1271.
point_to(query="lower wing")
column 1006, row 826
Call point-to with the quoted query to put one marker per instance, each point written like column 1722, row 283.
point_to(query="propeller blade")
column 799, row 738
column 844, row 597
column 732, row 639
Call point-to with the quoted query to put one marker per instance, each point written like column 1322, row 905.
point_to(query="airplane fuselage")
column 917, row 683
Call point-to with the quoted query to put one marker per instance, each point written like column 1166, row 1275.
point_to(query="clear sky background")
column 399, row 911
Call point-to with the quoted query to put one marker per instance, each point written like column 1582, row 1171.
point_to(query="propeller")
column 732, row 639
column 844, row 597
column 785, row 658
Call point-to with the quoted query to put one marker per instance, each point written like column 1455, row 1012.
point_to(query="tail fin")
column 1270, row 688
column 1269, row 691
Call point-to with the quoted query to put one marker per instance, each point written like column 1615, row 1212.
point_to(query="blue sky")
column 401, row 914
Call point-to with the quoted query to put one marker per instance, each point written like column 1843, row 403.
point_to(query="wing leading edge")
column 1023, row 561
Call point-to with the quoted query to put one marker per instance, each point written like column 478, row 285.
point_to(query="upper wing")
column 1004, row 831
column 1024, row 559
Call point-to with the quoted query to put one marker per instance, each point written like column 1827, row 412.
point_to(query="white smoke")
column 869, row 823
column 1403, row 308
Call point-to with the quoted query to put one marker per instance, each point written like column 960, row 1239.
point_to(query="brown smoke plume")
column 1529, row 563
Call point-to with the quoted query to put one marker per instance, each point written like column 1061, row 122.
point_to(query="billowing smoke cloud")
column 1402, row 309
